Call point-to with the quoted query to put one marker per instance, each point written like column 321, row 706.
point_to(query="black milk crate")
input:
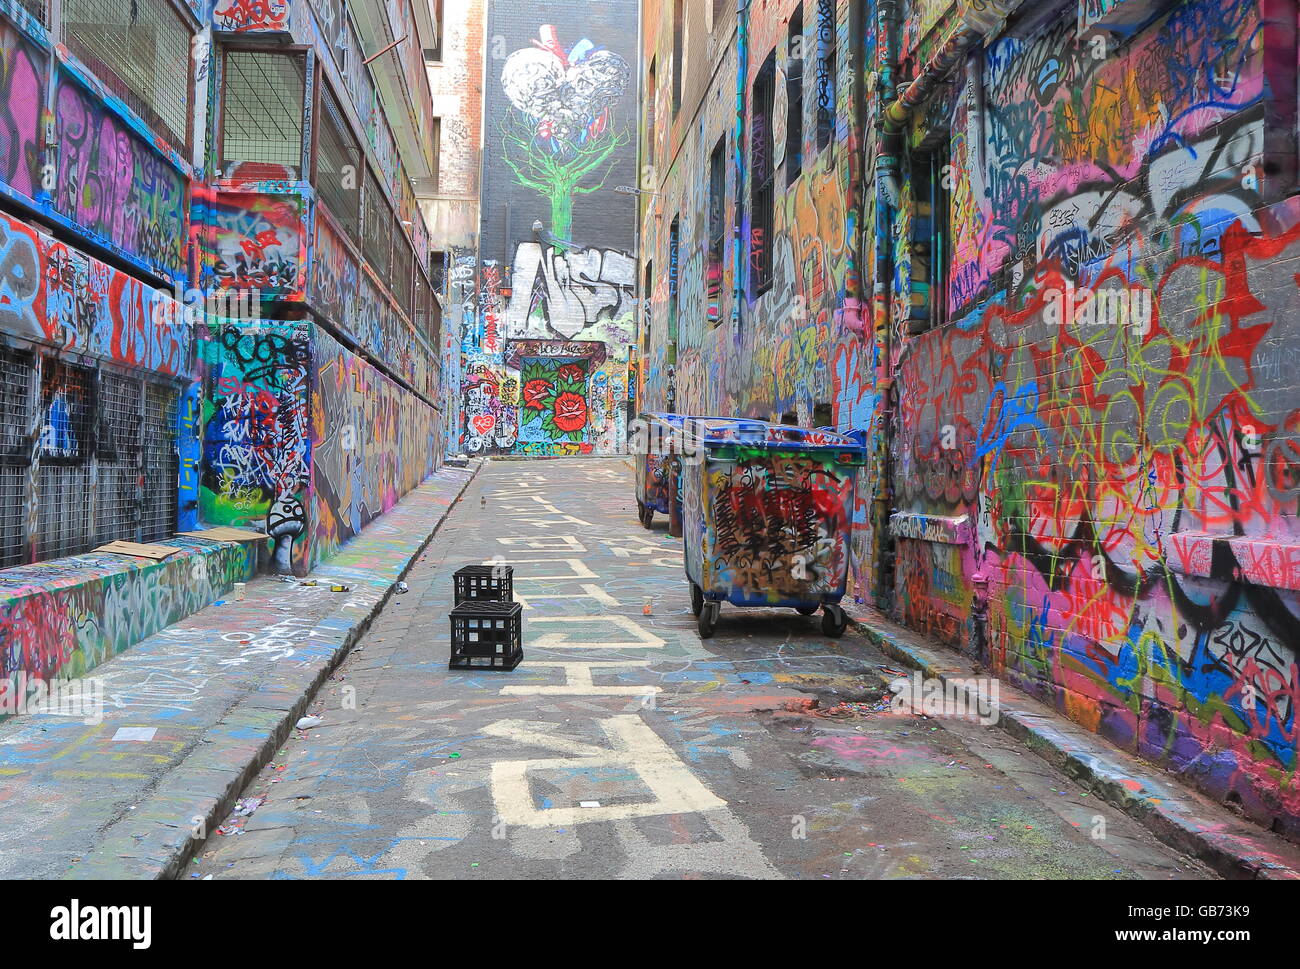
column 486, row 636
column 485, row 583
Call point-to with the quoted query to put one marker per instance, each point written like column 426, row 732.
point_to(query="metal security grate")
column 34, row 7
column 63, row 487
column 108, row 466
column 63, row 511
column 262, row 111
column 161, row 462
column 338, row 167
column 378, row 228
column 141, row 50
column 403, row 267
column 17, row 371
column 117, row 479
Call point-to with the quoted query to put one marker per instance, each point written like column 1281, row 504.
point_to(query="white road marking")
column 633, row 745
column 641, row 638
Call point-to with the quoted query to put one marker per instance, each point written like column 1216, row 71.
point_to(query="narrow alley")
column 626, row 747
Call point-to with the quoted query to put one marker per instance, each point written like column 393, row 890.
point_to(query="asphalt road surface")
column 626, row 747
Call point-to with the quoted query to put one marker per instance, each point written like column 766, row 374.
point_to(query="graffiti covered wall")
column 372, row 442
column 555, row 239
column 1086, row 444
column 64, row 619
column 305, row 440
column 1105, row 430
column 57, row 296
column 256, row 440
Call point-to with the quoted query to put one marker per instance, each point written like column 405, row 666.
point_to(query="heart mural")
column 560, row 127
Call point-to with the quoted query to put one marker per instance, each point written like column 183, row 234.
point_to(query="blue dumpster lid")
column 716, row 431
column 676, row 420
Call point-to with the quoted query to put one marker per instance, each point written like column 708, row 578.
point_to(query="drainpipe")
column 886, row 190
column 976, row 25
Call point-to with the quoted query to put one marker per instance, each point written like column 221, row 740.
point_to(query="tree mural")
column 560, row 129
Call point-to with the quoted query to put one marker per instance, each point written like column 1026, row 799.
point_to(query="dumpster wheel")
column 834, row 622
column 646, row 514
column 708, row 621
column 697, row 599
column 805, row 610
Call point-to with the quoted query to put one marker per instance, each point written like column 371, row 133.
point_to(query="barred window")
column 403, row 264
column 34, row 7
column 827, row 69
column 141, row 51
column 105, row 453
column 160, row 462
column 63, row 486
column 262, row 114
column 17, row 402
column 794, row 99
column 378, row 228
column 762, row 197
column 438, row 271
column 717, row 229
column 117, row 484
column 338, row 167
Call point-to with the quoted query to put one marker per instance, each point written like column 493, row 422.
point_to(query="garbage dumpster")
column 766, row 515
column 653, row 442
column 657, row 443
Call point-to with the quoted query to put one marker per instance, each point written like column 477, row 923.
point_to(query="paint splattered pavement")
column 187, row 713
column 624, row 746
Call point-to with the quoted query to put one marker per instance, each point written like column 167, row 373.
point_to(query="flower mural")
column 555, row 400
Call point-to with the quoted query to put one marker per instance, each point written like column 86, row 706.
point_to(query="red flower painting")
column 536, row 394
column 570, row 412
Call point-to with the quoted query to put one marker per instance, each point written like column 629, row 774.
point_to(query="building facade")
column 1045, row 255
column 216, row 305
column 545, row 357
column 451, row 206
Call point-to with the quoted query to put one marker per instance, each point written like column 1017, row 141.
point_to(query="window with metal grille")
column 17, row 401
column 160, row 462
column 438, row 271
column 403, row 266
column 827, row 68
column 435, row 152
column 931, row 263
column 794, row 99
column 647, row 307
column 63, row 485
column 717, row 228
column 674, row 253
column 338, row 167
column 141, row 51
column 34, row 7
column 377, row 228
column 420, row 306
column 678, row 54
column 651, row 102
column 137, row 469
column 262, row 113
column 762, row 196
column 117, row 450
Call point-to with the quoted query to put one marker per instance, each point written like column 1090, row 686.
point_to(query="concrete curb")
column 158, row 837
column 1181, row 818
